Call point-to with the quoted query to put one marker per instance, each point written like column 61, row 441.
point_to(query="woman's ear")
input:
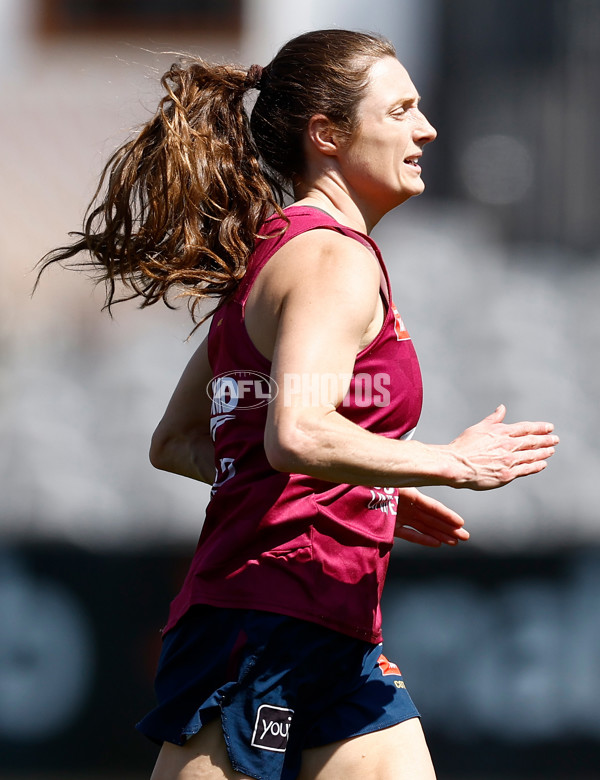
column 323, row 135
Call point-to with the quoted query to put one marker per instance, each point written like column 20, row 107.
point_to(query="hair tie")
column 254, row 77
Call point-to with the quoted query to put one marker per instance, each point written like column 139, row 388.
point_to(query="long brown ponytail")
column 179, row 206
column 182, row 202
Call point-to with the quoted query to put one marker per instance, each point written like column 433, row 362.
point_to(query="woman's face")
column 381, row 162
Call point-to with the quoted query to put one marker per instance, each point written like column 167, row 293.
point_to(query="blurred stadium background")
column 496, row 271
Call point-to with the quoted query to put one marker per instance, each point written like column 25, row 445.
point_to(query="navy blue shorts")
column 279, row 685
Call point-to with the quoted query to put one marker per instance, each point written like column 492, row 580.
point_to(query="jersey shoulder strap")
column 277, row 231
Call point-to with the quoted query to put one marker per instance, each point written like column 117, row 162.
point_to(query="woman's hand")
column 493, row 453
column 423, row 520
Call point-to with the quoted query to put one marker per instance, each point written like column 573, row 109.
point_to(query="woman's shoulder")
column 313, row 251
column 323, row 256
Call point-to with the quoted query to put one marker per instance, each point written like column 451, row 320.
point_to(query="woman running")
column 303, row 397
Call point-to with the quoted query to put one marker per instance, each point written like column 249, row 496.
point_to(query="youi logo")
column 272, row 728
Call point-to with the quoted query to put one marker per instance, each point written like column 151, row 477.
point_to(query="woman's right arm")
column 181, row 442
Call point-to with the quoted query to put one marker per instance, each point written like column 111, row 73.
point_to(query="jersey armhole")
column 384, row 282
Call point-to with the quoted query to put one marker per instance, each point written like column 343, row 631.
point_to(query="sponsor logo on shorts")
column 388, row 667
column 272, row 728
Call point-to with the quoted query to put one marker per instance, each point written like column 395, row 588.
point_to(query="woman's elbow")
column 286, row 450
column 278, row 458
column 159, row 450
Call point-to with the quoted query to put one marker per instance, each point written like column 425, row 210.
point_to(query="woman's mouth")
column 414, row 162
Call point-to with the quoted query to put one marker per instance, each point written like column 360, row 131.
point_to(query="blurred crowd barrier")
column 500, row 654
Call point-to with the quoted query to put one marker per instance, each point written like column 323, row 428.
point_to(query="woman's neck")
column 337, row 203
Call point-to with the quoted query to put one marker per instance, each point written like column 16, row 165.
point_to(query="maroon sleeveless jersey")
column 289, row 543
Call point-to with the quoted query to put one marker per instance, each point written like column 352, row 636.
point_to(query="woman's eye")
column 402, row 110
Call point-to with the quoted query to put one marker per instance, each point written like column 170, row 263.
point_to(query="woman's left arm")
column 181, row 442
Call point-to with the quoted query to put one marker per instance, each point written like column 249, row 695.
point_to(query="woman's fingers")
column 411, row 499
column 531, row 442
column 532, row 467
column 429, row 537
column 435, row 523
column 409, row 534
column 424, row 520
column 529, row 428
column 497, row 415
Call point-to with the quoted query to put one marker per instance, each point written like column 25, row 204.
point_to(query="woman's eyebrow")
column 407, row 99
